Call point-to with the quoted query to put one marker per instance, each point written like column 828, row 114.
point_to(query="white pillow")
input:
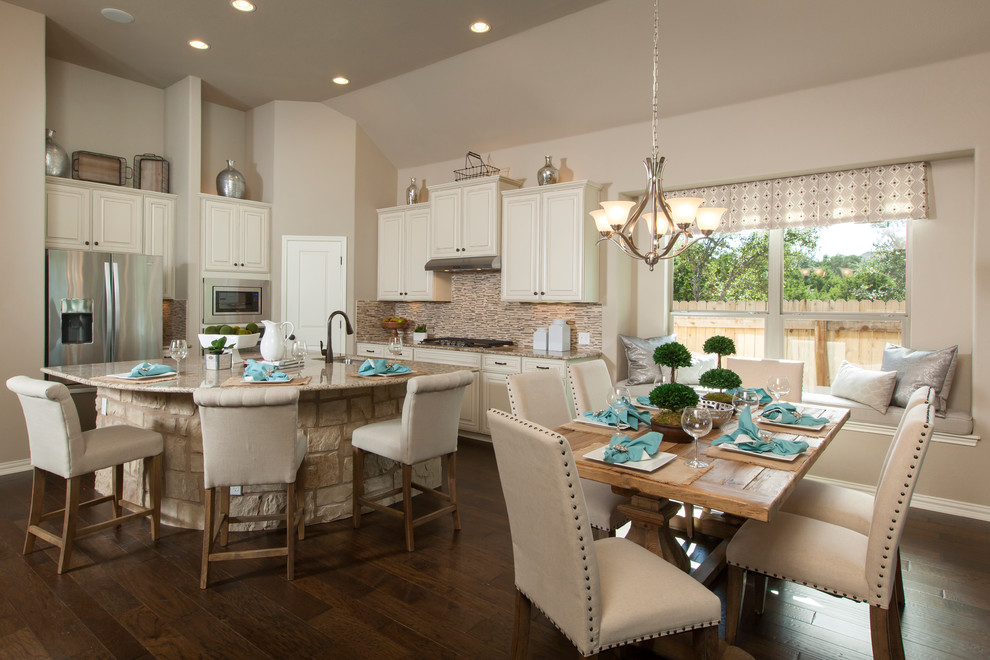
column 700, row 363
column 871, row 388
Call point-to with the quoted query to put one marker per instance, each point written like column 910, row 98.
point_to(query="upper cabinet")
column 102, row 218
column 465, row 219
column 548, row 243
column 403, row 250
column 236, row 235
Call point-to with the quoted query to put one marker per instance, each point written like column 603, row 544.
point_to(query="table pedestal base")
column 650, row 528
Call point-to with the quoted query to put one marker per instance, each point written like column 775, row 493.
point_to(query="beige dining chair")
column 250, row 438
column 600, row 594
column 835, row 559
column 427, row 429
column 539, row 397
column 754, row 372
column 591, row 384
column 58, row 446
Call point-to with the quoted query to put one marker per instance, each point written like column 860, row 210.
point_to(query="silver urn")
column 56, row 159
column 412, row 193
column 547, row 174
column 230, row 182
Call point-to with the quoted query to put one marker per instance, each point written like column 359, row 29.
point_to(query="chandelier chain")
column 656, row 66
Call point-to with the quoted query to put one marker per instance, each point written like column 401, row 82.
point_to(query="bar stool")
column 60, row 447
column 250, row 438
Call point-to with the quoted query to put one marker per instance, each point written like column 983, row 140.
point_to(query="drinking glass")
column 696, row 422
column 779, row 386
column 299, row 349
column 619, row 399
column 745, row 397
column 395, row 346
column 178, row 349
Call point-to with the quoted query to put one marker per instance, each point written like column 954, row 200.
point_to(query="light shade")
column 601, row 219
column 618, row 212
column 709, row 218
column 683, row 209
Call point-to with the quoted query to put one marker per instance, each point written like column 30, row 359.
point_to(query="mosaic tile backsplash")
column 477, row 310
column 173, row 320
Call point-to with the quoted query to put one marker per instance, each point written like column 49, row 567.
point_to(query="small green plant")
column 420, row 328
column 673, row 355
column 217, row 346
column 672, row 398
column 720, row 379
column 720, row 345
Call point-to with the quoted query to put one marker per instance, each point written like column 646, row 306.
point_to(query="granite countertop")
column 521, row 351
column 194, row 375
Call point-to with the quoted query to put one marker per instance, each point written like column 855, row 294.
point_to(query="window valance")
column 868, row 194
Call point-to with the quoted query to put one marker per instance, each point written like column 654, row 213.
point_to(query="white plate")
column 267, row 382
column 595, row 422
column 650, row 464
column 777, row 457
column 128, row 376
column 803, row 427
column 645, row 406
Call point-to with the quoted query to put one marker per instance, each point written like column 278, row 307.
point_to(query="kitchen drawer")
column 540, row 364
column 371, row 350
column 501, row 364
column 457, row 358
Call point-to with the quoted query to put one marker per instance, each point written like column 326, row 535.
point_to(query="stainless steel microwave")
column 235, row 301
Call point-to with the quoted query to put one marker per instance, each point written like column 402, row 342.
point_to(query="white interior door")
column 314, row 284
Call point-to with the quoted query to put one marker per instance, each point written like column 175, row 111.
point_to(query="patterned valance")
column 868, row 194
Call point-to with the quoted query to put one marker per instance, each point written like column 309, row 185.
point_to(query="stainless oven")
column 235, row 301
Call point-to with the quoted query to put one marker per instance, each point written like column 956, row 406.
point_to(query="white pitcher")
column 273, row 343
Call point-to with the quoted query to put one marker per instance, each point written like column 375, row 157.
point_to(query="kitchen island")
column 334, row 402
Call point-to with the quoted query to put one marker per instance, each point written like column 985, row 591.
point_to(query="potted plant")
column 419, row 333
column 720, row 345
column 216, row 357
column 719, row 403
column 672, row 397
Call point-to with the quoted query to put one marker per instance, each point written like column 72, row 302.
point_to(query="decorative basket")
column 100, row 168
column 720, row 412
column 151, row 173
column 474, row 167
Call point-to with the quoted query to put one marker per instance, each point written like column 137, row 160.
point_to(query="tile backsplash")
column 173, row 321
column 477, row 310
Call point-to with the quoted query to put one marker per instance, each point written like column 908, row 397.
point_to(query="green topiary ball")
column 673, row 396
column 720, row 379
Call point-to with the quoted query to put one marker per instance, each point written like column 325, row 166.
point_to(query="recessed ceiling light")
column 200, row 45
column 242, row 5
column 341, row 80
column 480, row 27
column 116, row 15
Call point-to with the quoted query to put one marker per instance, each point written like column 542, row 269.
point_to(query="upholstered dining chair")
column 427, row 429
column 835, row 559
column 590, row 385
column 250, row 437
column 59, row 446
column 539, row 397
column 754, row 372
column 600, row 594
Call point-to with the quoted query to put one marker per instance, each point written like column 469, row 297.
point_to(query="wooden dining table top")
column 734, row 483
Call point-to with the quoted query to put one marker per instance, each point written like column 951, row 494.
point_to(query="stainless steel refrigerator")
column 103, row 307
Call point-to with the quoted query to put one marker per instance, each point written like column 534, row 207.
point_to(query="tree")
column 720, row 345
column 673, row 354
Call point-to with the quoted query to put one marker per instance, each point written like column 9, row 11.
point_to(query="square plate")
column 595, row 422
column 128, row 376
column 658, row 460
column 267, row 382
column 777, row 457
column 802, row 427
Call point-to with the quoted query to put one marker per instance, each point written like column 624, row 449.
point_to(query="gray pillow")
column 917, row 369
column 639, row 355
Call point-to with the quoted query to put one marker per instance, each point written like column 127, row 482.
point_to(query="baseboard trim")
column 947, row 438
column 926, row 502
column 13, row 467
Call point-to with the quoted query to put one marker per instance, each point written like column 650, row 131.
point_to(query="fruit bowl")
column 233, row 341
column 392, row 324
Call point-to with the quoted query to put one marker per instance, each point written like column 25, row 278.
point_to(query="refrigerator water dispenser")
column 77, row 320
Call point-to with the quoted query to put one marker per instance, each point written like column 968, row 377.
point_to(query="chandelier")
column 669, row 220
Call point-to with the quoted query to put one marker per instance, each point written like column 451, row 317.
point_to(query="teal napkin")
column 621, row 448
column 148, row 369
column 264, row 372
column 629, row 416
column 644, row 400
column 765, row 397
column 380, row 366
column 754, row 443
column 787, row 413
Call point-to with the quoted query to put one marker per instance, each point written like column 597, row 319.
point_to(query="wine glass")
column 745, row 397
column 779, row 386
column 178, row 349
column 696, row 422
column 395, row 346
column 299, row 349
column 619, row 399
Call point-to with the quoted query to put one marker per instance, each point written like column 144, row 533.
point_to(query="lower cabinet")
column 494, row 390
column 470, row 412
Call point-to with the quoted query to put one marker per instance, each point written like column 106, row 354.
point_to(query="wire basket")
column 474, row 167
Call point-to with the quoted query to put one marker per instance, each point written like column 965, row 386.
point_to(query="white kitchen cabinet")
column 380, row 351
column 159, row 240
column 494, row 389
column 403, row 250
column 465, row 217
column 67, row 210
column 470, row 414
column 548, row 243
column 236, row 235
column 117, row 222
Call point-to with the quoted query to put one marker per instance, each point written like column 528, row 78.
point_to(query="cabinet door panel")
column 254, row 239
column 418, row 281
column 494, row 394
column 478, row 226
column 219, row 235
column 390, row 256
column 68, row 219
column 117, row 222
column 158, row 238
column 563, row 247
column 521, row 248
column 446, row 212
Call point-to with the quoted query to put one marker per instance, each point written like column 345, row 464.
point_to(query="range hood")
column 465, row 264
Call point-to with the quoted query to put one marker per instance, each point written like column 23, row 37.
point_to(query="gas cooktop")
column 467, row 342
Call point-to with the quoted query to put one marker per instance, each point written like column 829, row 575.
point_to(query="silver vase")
column 56, row 159
column 412, row 193
column 230, row 182
column 547, row 174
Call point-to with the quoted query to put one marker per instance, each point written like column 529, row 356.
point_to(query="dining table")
column 734, row 487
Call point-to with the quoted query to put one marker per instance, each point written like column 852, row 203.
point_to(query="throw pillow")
column 919, row 368
column 639, row 355
column 872, row 388
column 700, row 363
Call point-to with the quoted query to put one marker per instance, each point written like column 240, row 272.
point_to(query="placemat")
column 135, row 381
column 757, row 459
column 375, row 376
column 675, row 473
column 238, row 381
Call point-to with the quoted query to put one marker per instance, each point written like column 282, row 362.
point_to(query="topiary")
column 720, row 379
column 672, row 398
column 673, row 355
column 720, row 345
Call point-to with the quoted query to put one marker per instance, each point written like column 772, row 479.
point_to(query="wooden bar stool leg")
column 451, row 459
column 69, row 522
column 224, row 514
column 407, row 505
column 290, row 531
column 118, row 488
column 37, row 504
column 156, row 497
column 301, row 504
column 520, row 626
column 357, row 478
column 208, row 505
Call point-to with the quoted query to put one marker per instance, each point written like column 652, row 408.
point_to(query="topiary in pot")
column 672, row 399
column 720, row 379
column 673, row 355
column 720, row 345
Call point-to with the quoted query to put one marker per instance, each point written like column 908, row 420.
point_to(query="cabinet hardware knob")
column 87, row 242
column 96, row 242
column 545, row 368
column 535, row 293
column 501, row 364
column 543, row 293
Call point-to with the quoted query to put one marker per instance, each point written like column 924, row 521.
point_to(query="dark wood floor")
column 358, row 594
